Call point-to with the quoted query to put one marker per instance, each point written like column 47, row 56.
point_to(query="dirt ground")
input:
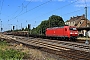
column 34, row 54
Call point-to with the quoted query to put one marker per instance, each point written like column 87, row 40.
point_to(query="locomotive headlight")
column 71, row 33
column 75, row 33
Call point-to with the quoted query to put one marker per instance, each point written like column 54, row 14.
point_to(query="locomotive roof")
column 55, row 27
column 60, row 27
column 22, row 31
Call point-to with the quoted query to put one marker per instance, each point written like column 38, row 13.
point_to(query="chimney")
column 83, row 15
column 71, row 17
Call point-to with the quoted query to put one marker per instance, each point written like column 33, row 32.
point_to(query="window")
column 80, row 22
column 72, row 28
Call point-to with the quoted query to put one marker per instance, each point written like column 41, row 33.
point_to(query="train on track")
column 65, row 32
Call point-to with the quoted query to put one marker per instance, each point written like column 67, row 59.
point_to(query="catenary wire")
column 33, row 8
column 1, row 6
column 58, row 9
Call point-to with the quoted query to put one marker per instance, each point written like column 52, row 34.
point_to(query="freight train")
column 65, row 32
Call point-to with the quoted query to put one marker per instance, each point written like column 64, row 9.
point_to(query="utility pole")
column 29, row 28
column 17, row 25
column 86, row 15
column 21, row 26
column 86, row 42
column 0, row 20
column 1, row 26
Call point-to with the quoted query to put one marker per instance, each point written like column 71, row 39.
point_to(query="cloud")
column 43, row 0
column 82, row 3
column 34, row 0
column 61, row 0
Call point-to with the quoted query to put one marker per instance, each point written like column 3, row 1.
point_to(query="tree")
column 26, row 29
column 34, row 31
column 22, row 29
column 43, row 26
column 53, row 21
column 56, row 21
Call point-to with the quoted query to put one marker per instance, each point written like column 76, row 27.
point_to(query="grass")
column 20, row 52
column 8, row 53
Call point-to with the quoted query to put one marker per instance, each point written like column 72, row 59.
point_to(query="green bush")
column 11, row 53
column 8, row 54
column 3, row 43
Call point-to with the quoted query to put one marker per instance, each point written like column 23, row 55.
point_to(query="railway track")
column 71, row 45
column 69, row 50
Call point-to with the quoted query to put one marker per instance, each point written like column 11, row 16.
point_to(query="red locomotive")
column 63, row 32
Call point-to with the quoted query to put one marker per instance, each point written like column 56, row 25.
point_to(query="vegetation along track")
column 73, row 51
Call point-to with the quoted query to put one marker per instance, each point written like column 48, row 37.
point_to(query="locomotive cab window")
column 72, row 28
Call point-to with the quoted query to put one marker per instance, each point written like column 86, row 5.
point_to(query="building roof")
column 78, row 19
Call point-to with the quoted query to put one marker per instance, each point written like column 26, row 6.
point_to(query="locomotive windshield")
column 72, row 28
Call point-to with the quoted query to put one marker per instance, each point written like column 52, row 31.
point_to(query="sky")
column 20, row 13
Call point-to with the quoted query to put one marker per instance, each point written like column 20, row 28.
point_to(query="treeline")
column 53, row 21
